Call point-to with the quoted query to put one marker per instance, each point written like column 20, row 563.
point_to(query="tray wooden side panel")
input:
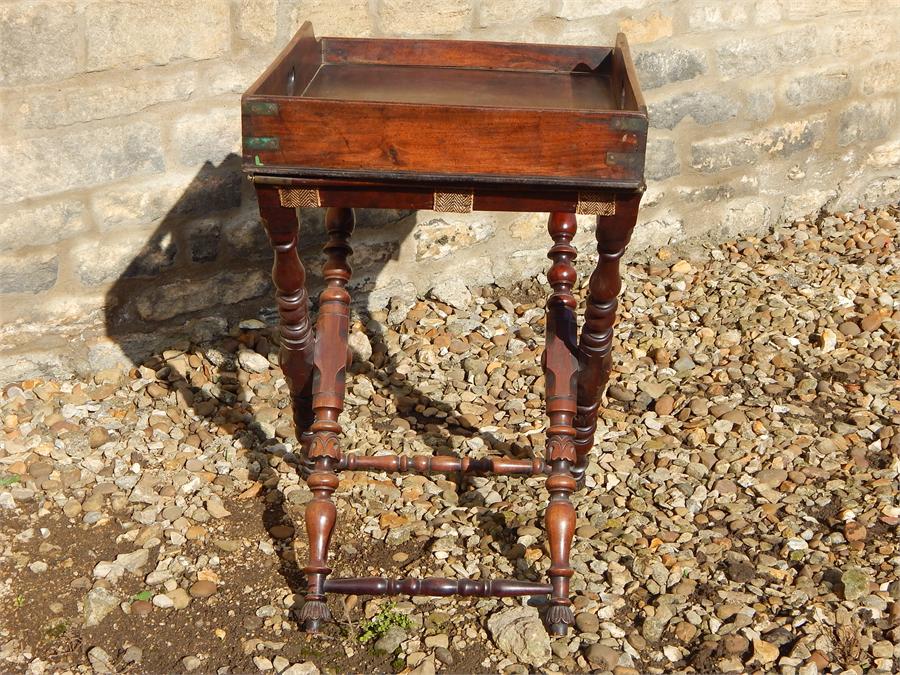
column 383, row 141
column 293, row 68
column 465, row 54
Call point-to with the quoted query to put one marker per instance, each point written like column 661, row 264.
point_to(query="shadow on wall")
column 209, row 262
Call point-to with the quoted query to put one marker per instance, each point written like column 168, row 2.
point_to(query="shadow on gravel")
column 205, row 267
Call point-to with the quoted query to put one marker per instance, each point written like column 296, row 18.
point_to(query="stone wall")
column 124, row 220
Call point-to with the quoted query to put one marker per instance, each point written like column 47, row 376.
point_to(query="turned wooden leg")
column 296, row 356
column 330, row 359
column 560, row 363
column 595, row 347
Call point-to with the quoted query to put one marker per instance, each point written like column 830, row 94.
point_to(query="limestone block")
column 348, row 18
column 210, row 135
column 101, row 97
column 581, row 9
column 39, row 41
column 40, row 225
column 418, row 17
column 656, row 67
column 869, row 121
column 28, row 273
column 258, row 20
column 135, row 34
column 741, row 56
column 79, row 158
column 501, row 11
column 704, row 107
column 820, row 87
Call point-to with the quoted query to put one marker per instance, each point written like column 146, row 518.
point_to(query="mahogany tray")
column 447, row 111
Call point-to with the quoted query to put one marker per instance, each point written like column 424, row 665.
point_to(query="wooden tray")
column 474, row 113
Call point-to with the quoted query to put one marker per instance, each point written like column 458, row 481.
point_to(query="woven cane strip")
column 454, row 202
column 295, row 198
column 593, row 204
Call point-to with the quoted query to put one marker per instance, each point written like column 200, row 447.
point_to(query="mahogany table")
column 450, row 126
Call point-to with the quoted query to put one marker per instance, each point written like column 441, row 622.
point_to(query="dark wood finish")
column 465, row 54
column 438, row 587
column 408, row 109
column 426, row 464
column 328, row 400
column 296, row 333
column 458, row 86
column 425, row 124
column 561, row 372
column 400, row 195
column 398, row 139
column 595, row 347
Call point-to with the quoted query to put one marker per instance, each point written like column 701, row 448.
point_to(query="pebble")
column 203, row 589
column 98, row 604
column 587, row 622
column 856, row 583
column 98, row 436
column 602, row 656
column 190, row 663
column 253, row 362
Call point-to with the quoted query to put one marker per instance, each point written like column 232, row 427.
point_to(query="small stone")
column 133, row 654
column 216, row 509
column 871, row 321
column 163, row 601
column 855, row 531
column 518, row 631
column 849, row 328
column 360, row 346
column 38, row 566
column 452, row 292
column 682, row 267
column 262, row 663
column 98, row 604
column 765, row 652
column 141, row 607
column 203, row 589
column 856, row 583
column 97, row 437
column 100, row 660
column 281, row 531
column 390, row 641
column 587, row 622
column 735, row 645
column 771, row 477
column 305, row 668
column 883, row 649
column 280, row 663
column 180, row 598
column 685, row 631
column 444, row 656
column 190, row 663
column 253, row 362
column 828, row 340
column 602, row 656
column 664, row 405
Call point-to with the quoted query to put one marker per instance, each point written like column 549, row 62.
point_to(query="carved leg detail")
column 296, row 333
column 595, row 347
column 328, row 401
column 561, row 371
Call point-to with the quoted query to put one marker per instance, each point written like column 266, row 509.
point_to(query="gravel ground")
column 740, row 514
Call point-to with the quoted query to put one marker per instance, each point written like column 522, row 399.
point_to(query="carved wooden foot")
column 296, row 333
column 561, row 371
column 595, row 347
column 328, row 401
